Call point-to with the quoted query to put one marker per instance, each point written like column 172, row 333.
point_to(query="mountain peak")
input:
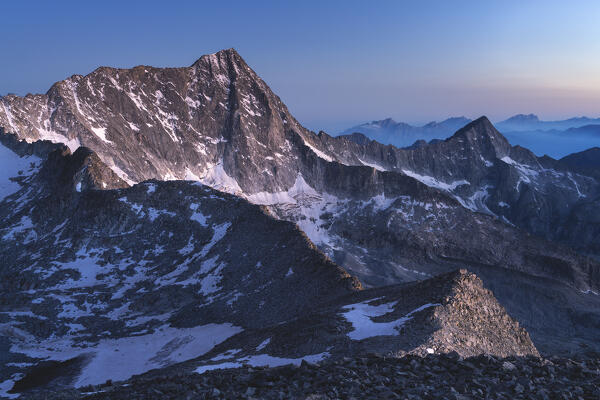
column 230, row 54
column 523, row 118
column 482, row 128
column 481, row 123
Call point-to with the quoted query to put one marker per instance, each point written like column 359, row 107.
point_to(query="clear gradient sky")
column 334, row 63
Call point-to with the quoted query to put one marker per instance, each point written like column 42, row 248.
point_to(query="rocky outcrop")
column 449, row 313
column 472, row 321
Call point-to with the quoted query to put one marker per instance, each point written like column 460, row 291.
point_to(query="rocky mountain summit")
column 181, row 217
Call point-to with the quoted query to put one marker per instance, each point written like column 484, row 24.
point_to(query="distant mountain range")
column 554, row 138
column 401, row 134
column 531, row 122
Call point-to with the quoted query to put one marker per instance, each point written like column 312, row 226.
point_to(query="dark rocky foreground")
column 410, row 377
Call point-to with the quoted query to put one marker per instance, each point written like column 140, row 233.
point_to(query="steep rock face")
column 215, row 121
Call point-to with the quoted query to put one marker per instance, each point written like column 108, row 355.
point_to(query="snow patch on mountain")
column 23, row 225
column 101, row 133
column 299, row 188
column 361, row 315
column 262, row 360
column 373, row 165
column 216, row 177
column 12, row 166
column 433, row 182
column 119, row 359
column 318, row 152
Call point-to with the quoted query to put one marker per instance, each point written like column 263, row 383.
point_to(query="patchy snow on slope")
column 13, row 166
column 216, row 177
column 373, row 165
column 190, row 176
column 119, row 359
column 487, row 163
column 318, row 152
column 262, row 360
column 87, row 266
column 54, row 137
column 23, row 225
column 432, row 182
column 570, row 176
column 526, row 172
column 307, row 215
column 154, row 213
column 267, row 198
column 219, row 232
column 101, row 133
column 7, row 385
column 121, row 174
column 360, row 316
column 299, row 188
column 263, row 344
column 476, row 202
column 197, row 215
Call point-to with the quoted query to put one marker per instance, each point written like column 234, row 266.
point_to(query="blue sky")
column 333, row 63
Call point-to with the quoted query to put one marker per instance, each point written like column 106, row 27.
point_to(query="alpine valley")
column 169, row 221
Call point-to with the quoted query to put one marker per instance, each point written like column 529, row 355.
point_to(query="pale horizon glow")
column 336, row 64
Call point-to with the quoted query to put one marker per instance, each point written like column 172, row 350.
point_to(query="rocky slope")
column 387, row 215
column 449, row 313
column 372, row 376
column 101, row 281
column 114, row 282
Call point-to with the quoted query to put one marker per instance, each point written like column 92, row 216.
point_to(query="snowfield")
column 119, row 359
column 13, row 166
column 361, row 315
